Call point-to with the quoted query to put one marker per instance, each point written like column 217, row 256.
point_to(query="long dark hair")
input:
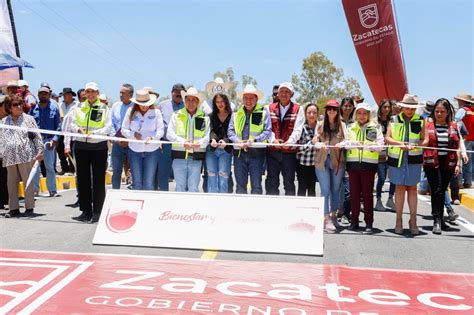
column 379, row 111
column 215, row 110
column 449, row 109
column 326, row 126
column 347, row 100
column 136, row 108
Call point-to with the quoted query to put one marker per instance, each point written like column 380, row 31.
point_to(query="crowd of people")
column 192, row 138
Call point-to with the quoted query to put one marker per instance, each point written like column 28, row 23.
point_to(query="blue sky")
column 163, row 42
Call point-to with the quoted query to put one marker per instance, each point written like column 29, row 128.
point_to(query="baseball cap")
column 91, row 86
column 365, row 106
column 45, row 84
column 287, row 85
column 22, row 83
column 178, row 87
column 332, row 103
column 44, row 89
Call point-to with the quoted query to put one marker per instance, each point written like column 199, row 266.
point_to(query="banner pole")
column 15, row 38
column 400, row 41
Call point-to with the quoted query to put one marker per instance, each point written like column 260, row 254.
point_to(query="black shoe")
column 353, row 227
column 437, row 226
column 12, row 214
column 73, row 205
column 29, row 213
column 82, row 218
column 452, row 216
column 444, row 226
column 94, row 219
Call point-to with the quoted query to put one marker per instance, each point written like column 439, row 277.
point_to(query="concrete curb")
column 467, row 200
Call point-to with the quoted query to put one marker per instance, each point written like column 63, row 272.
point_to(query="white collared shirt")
column 149, row 125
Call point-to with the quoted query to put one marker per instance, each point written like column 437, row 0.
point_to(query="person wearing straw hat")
column 249, row 126
column 91, row 118
column 143, row 122
column 405, row 132
column 287, row 125
column 189, row 132
column 365, row 139
column 465, row 114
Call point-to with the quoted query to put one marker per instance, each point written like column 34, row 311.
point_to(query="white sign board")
column 250, row 223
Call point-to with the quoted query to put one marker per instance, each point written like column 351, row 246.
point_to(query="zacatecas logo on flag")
column 369, row 15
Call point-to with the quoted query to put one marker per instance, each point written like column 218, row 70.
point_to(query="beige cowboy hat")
column 144, row 98
column 218, row 86
column 192, row 91
column 465, row 97
column 251, row 89
column 410, row 101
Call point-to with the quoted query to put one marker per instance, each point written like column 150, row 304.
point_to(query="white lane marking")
column 460, row 220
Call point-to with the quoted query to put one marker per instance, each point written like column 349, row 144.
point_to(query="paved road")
column 54, row 230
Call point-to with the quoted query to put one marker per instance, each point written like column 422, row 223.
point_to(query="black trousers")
column 284, row 163
column 306, row 180
column 66, row 166
column 91, row 186
column 439, row 179
column 3, row 186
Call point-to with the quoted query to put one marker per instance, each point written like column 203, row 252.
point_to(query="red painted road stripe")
column 45, row 282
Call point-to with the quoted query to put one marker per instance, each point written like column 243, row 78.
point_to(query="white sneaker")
column 329, row 226
column 379, row 206
column 390, row 204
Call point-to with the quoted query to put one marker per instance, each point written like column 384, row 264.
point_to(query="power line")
column 91, row 39
column 73, row 39
column 102, row 19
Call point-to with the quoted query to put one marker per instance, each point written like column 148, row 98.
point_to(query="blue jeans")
column 187, row 174
column 49, row 163
column 381, row 176
column 218, row 170
column 118, row 158
column 249, row 164
column 143, row 166
column 467, row 168
column 164, row 167
column 330, row 184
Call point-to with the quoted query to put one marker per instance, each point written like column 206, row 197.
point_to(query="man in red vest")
column 466, row 115
column 287, row 124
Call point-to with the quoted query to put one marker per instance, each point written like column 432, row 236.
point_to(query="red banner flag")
column 373, row 31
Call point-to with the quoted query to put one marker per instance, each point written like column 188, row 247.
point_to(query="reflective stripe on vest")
column 398, row 132
column 254, row 129
column 356, row 133
column 181, row 127
column 91, row 117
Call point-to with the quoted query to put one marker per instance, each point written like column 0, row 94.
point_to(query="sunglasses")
column 331, row 109
column 17, row 105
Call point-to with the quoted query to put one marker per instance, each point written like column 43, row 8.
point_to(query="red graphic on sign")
column 63, row 283
column 122, row 214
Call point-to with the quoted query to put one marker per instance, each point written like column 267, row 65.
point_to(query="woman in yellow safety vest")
column 405, row 132
column 365, row 139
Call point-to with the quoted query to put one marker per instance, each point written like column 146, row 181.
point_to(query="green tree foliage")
column 321, row 81
column 229, row 76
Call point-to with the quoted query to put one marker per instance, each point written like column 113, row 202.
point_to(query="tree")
column 321, row 80
column 229, row 76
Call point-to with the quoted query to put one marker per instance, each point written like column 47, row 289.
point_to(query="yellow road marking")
column 209, row 254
